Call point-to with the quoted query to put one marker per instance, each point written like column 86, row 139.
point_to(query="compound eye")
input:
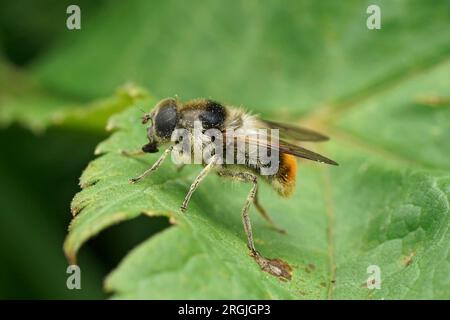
column 166, row 119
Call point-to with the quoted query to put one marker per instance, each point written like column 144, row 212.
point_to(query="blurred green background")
column 40, row 171
column 284, row 59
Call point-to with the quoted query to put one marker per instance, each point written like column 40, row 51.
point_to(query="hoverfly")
column 170, row 115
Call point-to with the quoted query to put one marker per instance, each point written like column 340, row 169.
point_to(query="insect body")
column 231, row 128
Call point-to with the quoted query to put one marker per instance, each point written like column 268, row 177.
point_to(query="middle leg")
column 197, row 181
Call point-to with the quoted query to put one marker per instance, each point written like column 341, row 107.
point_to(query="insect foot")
column 133, row 180
column 275, row 267
column 278, row 229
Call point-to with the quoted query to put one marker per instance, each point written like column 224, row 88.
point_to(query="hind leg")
column 275, row 267
column 246, row 177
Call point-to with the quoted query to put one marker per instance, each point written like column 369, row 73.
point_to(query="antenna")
column 146, row 116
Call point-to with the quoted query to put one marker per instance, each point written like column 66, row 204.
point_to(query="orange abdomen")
column 286, row 175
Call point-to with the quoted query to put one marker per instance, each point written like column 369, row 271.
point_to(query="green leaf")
column 385, row 205
column 381, row 95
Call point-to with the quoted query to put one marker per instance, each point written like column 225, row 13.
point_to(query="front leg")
column 154, row 166
column 197, row 181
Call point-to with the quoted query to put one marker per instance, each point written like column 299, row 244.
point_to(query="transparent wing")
column 292, row 132
column 285, row 147
column 289, row 148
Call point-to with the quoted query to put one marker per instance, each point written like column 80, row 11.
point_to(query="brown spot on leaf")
column 275, row 267
column 323, row 284
column 408, row 259
column 433, row 101
column 364, row 285
column 310, row 267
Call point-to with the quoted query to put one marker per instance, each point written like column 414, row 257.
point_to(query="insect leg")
column 246, row 177
column 245, row 217
column 197, row 181
column 273, row 266
column 154, row 166
column 266, row 216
